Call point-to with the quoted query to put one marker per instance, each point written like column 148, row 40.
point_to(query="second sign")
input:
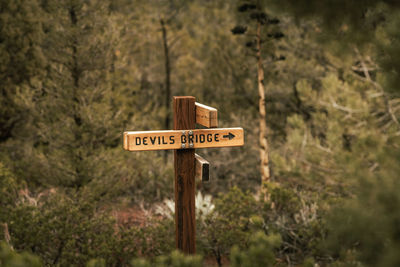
column 198, row 138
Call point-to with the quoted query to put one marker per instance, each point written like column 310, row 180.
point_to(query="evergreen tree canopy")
column 371, row 25
column 22, row 63
column 317, row 79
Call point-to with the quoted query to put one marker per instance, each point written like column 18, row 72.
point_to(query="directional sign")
column 183, row 139
column 188, row 166
column 206, row 116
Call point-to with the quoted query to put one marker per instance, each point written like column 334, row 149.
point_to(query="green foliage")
column 22, row 64
column 78, row 120
column 158, row 238
column 370, row 25
column 10, row 258
column 174, row 259
column 77, row 232
column 231, row 223
column 297, row 219
column 236, row 204
column 282, row 200
column 96, row 263
column 75, row 74
column 367, row 226
column 259, row 253
column 8, row 190
column 338, row 132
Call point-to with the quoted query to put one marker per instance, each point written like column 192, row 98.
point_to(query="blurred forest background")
column 75, row 74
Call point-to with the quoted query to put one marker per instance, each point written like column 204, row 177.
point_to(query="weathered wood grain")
column 206, row 116
column 185, row 223
column 196, row 138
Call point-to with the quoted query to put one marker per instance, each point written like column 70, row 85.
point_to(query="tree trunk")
column 76, row 75
column 264, row 150
column 167, row 85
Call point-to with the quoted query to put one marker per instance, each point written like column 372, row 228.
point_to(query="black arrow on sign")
column 230, row 136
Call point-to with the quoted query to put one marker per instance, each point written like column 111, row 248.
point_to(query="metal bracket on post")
column 190, row 137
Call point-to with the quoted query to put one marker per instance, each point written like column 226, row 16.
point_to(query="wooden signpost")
column 184, row 139
column 195, row 138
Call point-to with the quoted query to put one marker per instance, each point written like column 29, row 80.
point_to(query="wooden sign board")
column 206, row 116
column 202, row 168
column 183, row 139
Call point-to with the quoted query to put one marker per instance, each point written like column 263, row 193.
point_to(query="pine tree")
column 79, row 123
column 22, row 64
column 263, row 29
column 371, row 25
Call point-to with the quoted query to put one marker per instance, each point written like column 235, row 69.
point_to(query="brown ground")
column 128, row 216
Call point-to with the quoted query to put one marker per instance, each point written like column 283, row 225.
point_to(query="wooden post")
column 184, row 139
column 184, row 161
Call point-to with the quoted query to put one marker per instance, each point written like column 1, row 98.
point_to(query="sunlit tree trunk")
column 264, row 150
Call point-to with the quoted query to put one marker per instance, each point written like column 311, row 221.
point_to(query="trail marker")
column 196, row 138
column 184, row 139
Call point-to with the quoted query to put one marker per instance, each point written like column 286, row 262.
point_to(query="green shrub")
column 367, row 228
column 66, row 231
column 296, row 218
column 10, row 258
column 230, row 223
column 8, row 191
column 174, row 259
column 157, row 238
column 259, row 253
column 96, row 263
